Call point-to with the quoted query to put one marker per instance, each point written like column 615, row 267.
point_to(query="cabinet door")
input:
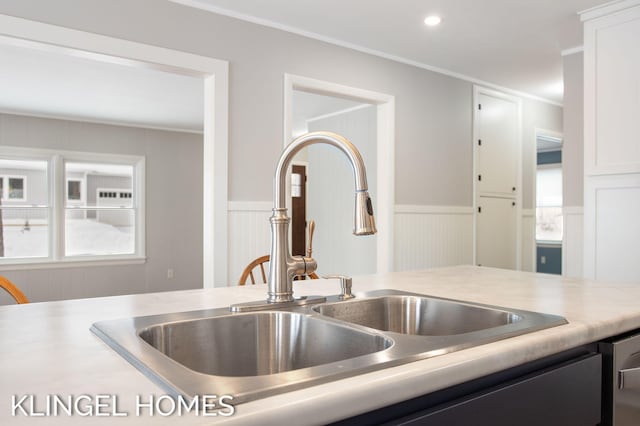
column 612, row 93
column 498, row 150
column 612, row 228
column 496, row 238
column 568, row 395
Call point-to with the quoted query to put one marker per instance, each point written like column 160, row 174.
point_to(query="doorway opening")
column 368, row 118
column 322, row 185
column 214, row 75
column 549, row 219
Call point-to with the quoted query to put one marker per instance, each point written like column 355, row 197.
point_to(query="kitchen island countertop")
column 47, row 348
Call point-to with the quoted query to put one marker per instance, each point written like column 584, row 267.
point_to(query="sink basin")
column 259, row 343
column 245, row 355
column 258, row 354
column 424, row 316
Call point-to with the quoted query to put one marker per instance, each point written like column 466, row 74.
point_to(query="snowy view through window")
column 99, row 216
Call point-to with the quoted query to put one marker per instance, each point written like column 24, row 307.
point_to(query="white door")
column 496, row 232
column 498, row 173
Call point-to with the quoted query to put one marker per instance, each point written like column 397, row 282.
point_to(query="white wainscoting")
column 528, row 261
column 425, row 236
column 249, row 235
column 573, row 241
column 431, row 236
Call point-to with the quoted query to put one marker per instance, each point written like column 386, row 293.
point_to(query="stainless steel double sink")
column 258, row 354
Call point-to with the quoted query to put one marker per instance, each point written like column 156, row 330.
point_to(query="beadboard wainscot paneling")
column 528, row 260
column 432, row 236
column 249, row 234
column 573, row 241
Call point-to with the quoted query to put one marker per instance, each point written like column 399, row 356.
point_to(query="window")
column 74, row 190
column 549, row 203
column 79, row 207
column 14, row 189
column 104, row 224
column 25, row 220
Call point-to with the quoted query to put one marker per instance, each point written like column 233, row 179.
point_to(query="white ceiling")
column 52, row 84
column 515, row 44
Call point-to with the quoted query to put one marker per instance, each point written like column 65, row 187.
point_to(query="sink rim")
column 176, row 379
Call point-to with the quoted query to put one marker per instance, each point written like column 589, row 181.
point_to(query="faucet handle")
column 345, row 286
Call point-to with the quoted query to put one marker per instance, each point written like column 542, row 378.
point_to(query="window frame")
column 57, row 199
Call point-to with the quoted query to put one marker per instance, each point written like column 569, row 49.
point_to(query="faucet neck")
column 355, row 159
column 283, row 267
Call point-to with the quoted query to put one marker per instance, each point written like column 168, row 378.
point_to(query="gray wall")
column 433, row 112
column 173, row 208
column 573, row 150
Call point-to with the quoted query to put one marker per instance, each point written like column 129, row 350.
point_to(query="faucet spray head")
column 364, row 222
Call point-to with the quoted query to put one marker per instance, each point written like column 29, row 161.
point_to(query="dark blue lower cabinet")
column 565, row 393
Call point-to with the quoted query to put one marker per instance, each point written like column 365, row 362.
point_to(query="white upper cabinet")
column 612, row 89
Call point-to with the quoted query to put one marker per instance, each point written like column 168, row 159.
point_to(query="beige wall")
column 173, row 208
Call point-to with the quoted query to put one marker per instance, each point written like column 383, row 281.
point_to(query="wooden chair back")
column 259, row 265
column 13, row 290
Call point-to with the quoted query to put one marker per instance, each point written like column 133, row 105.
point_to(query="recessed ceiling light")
column 432, row 20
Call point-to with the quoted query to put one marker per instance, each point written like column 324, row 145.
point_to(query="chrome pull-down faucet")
column 284, row 267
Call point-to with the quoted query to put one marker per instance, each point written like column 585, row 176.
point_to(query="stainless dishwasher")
column 621, row 380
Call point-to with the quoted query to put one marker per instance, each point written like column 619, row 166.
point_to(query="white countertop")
column 47, row 348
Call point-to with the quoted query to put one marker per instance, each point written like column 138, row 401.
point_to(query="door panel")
column 498, row 150
column 496, row 232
